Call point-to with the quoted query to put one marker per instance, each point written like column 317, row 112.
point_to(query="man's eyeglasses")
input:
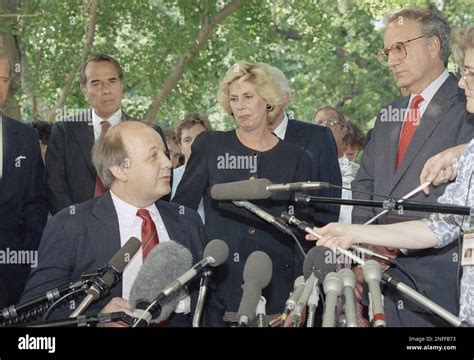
column 398, row 50
column 330, row 123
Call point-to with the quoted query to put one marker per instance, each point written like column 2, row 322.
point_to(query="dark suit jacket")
column 23, row 208
column 80, row 242
column 319, row 144
column 70, row 175
column 444, row 124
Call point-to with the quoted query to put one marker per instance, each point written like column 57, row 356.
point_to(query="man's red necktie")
column 149, row 233
column 412, row 120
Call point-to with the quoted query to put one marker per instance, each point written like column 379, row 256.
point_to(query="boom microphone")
column 259, row 189
column 111, row 274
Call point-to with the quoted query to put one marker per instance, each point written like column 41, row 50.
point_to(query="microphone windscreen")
column 258, row 268
column 319, row 260
column 165, row 262
column 125, row 254
column 218, row 250
column 242, row 190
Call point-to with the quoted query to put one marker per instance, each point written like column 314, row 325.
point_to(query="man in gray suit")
column 407, row 133
column 70, row 175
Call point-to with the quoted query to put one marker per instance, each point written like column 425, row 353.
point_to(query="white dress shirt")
column 96, row 120
column 280, row 130
column 429, row 92
column 131, row 225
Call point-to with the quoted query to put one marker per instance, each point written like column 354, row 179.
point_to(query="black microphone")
column 258, row 271
column 259, row 189
column 165, row 262
column 215, row 253
column 110, row 275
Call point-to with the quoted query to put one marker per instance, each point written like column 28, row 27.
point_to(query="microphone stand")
column 85, row 321
column 202, row 296
column 389, row 204
column 37, row 306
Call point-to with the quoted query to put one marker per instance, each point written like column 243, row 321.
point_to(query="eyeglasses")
column 330, row 123
column 398, row 51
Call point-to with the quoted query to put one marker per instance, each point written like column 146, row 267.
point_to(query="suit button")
column 252, row 178
column 252, row 231
column 287, row 266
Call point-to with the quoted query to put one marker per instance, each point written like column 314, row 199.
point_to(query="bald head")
column 131, row 159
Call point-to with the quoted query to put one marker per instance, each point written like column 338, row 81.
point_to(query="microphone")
column 258, row 271
column 315, row 266
column 290, row 304
column 215, row 253
column 262, row 214
column 299, row 186
column 259, row 189
column 332, row 287
column 242, row 190
column 261, row 312
column 373, row 276
column 110, row 275
column 349, row 282
column 166, row 261
column 206, row 276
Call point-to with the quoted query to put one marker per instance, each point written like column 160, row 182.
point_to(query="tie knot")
column 416, row 101
column 105, row 125
column 144, row 214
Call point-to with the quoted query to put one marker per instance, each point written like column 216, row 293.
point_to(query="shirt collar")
column 280, row 130
column 113, row 120
column 127, row 213
column 432, row 88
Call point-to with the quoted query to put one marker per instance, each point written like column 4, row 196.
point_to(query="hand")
column 117, row 304
column 441, row 168
column 334, row 235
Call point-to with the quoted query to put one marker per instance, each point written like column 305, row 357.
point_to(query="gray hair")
column 431, row 24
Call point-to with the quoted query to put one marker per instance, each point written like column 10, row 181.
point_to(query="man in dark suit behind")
column 70, row 176
column 416, row 46
column 23, row 208
column 319, row 143
column 132, row 160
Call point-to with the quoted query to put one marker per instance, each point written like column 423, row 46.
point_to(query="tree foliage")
column 325, row 47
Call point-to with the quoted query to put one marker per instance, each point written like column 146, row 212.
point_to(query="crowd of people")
column 104, row 177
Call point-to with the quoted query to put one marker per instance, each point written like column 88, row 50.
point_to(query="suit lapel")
column 393, row 137
column 172, row 225
column 84, row 135
column 433, row 115
column 103, row 229
column 10, row 150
